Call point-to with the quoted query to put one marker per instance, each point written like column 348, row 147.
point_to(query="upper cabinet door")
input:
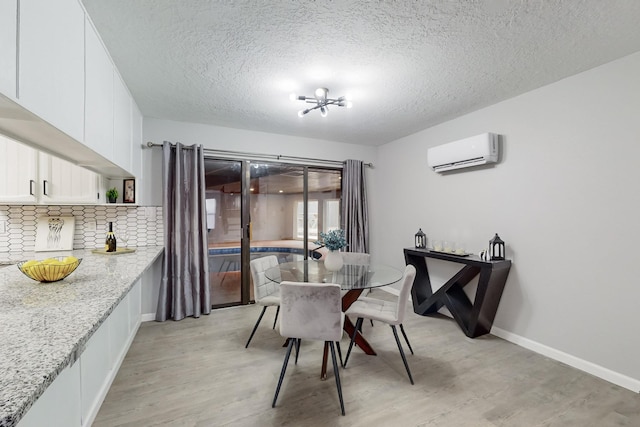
column 99, row 95
column 122, row 123
column 136, row 142
column 64, row 182
column 18, row 172
column 51, row 67
column 8, row 31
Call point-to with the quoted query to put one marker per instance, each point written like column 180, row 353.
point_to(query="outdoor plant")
column 333, row 240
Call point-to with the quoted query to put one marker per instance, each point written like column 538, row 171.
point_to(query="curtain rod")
column 264, row 156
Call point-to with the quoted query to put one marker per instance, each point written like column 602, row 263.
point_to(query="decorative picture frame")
column 129, row 191
column 54, row 233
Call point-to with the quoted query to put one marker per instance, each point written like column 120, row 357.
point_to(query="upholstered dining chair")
column 389, row 312
column 310, row 311
column 356, row 258
column 266, row 292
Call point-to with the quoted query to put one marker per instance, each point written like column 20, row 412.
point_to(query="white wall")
column 216, row 137
column 564, row 198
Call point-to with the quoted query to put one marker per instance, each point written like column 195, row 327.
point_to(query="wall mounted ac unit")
column 475, row 150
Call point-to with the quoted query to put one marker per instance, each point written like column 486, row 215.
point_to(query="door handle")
column 44, row 187
column 31, row 184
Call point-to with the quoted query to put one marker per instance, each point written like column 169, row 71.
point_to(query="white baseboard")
column 583, row 365
column 148, row 317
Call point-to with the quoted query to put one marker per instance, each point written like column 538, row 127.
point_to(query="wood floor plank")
column 197, row 373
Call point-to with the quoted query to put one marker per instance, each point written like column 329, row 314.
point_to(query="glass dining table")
column 353, row 278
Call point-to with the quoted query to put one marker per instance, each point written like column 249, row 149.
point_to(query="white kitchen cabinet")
column 64, row 182
column 122, row 124
column 98, row 95
column 135, row 307
column 136, row 143
column 31, row 176
column 18, row 172
column 51, row 63
column 8, row 46
column 119, row 331
column 75, row 396
column 95, row 366
column 60, row 404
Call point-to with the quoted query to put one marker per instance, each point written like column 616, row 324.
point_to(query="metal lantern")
column 421, row 239
column 496, row 248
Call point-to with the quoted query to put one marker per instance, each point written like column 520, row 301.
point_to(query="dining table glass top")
column 350, row 276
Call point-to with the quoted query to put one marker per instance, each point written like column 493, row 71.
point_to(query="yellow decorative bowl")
column 50, row 269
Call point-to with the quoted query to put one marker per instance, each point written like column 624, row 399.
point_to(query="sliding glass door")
column 259, row 209
column 224, row 230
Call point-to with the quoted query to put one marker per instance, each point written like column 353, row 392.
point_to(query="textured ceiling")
column 407, row 65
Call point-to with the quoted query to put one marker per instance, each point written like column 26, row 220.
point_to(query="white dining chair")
column 265, row 291
column 311, row 311
column 356, row 258
column 389, row 312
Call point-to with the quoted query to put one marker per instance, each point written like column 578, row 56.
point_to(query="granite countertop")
column 44, row 327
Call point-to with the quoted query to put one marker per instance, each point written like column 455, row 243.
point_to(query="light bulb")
column 302, row 113
column 324, row 111
column 293, row 96
column 349, row 104
column 321, row 92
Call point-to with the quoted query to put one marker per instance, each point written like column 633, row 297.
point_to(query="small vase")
column 333, row 261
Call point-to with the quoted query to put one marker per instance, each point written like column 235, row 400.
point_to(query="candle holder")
column 421, row 239
column 496, row 248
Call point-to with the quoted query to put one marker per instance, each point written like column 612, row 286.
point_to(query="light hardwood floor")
column 196, row 372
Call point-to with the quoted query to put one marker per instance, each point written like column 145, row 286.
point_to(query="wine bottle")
column 110, row 242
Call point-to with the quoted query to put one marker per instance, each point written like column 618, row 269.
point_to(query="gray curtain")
column 355, row 216
column 184, row 290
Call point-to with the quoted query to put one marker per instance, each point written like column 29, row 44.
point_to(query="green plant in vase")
column 112, row 195
column 334, row 240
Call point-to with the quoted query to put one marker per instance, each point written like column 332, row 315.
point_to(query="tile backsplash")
column 143, row 225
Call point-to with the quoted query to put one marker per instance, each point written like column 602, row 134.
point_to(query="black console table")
column 475, row 319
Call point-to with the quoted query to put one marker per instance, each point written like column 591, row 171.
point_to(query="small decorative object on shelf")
column 112, row 195
column 484, row 255
column 496, row 248
column 421, row 239
column 129, row 191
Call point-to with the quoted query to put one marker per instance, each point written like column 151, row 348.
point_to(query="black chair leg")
column 336, row 374
column 404, row 359
column 405, row 337
column 298, row 340
column 353, row 338
column 256, row 326
column 284, row 369
column 276, row 319
column 339, row 353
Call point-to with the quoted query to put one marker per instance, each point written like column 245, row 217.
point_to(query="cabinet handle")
column 31, row 184
column 44, row 187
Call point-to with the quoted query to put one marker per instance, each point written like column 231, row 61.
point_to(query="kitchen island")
column 46, row 327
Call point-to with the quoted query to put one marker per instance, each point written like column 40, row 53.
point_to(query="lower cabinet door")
column 59, row 405
column 95, row 367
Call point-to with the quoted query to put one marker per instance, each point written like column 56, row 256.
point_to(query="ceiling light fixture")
column 321, row 100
